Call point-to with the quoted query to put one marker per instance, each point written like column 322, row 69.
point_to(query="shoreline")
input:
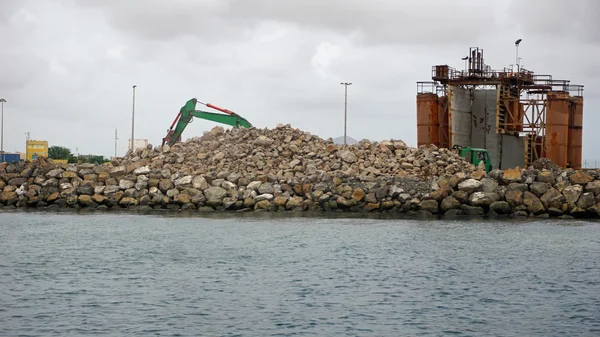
column 288, row 215
column 287, row 170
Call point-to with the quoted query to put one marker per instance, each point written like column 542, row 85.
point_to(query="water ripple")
column 66, row 274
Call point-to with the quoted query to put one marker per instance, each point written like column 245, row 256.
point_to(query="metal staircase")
column 507, row 96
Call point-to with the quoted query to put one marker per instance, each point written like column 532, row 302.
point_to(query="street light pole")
column 133, row 117
column 2, row 100
column 116, row 143
column 345, row 84
column 517, row 45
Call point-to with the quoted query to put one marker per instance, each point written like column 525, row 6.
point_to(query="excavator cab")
column 475, row 156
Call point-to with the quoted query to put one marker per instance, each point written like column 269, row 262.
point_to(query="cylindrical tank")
column 557, row 127
column 575, row 133
column 444, row 130
column 427, row 119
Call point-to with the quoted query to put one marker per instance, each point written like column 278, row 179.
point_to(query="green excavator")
column 474, row 156
column 188, row 111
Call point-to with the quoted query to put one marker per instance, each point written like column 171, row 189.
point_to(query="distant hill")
column 340, row 140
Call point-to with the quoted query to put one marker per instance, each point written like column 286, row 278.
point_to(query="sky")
column 67, row 67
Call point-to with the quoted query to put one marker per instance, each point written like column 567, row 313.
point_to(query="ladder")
column 506, row 97
column 531, row 145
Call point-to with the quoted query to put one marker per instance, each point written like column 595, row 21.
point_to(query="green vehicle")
column 188, row 111
column 474, row 155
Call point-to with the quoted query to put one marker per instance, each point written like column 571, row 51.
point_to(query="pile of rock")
column 293, row 155
column 286, row 169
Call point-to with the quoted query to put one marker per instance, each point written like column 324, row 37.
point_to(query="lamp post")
column 2, row 100
column 133, row 117
column 116, row 143
column 466, row 66
column 517, row 45
column 345, row 84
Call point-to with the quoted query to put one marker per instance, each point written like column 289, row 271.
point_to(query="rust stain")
column 444, row 132
column 557, row 127
column 427, row 119
column 575, row 134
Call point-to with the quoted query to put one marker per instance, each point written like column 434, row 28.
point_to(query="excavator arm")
column 188, row 111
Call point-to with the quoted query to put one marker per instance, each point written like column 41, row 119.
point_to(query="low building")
column 36, row 148
column 139, row 143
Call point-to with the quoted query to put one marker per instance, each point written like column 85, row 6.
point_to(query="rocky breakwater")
column 286, row 169
column 534, row 191
column 280, row 169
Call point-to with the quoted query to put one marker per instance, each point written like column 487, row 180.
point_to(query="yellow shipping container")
column 36, row 148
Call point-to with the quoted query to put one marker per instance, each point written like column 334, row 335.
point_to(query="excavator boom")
column 188, row 111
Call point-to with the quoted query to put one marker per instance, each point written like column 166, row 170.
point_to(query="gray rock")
column 228, row 185
column 172, row 192
column 215, row 193
column 141, row 170
column 200, row 183
column 294, row 163
column 266, row 188
column 56, row 173
column 533, row 203
column 482, row 198
column 586, row 200
column 140, row 185
column 164, row 185
column 264, row 196
column 404, row 197
column 395, row 191
column 593, row 186
column 118, row 170
column 126, row 184
column 234, row 177
column 429, row 206
column 263, row 141
column 572, row 193
column 489, row 184
column 186, row 180
column 449, row 203
column 254, row 185
column 501, row 207
column 539, row 188
column 348, row 156
column 85, row 190
column 552, row 198
column 469, row 185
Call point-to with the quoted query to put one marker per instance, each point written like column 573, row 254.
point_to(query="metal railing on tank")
column 426, row 87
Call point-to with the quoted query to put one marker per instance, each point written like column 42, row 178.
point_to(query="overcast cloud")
column 67, row 67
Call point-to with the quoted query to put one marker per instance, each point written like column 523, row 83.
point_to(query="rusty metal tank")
column 444, row 130
column 427, row 119
column 574, row 155
column 557, row 127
